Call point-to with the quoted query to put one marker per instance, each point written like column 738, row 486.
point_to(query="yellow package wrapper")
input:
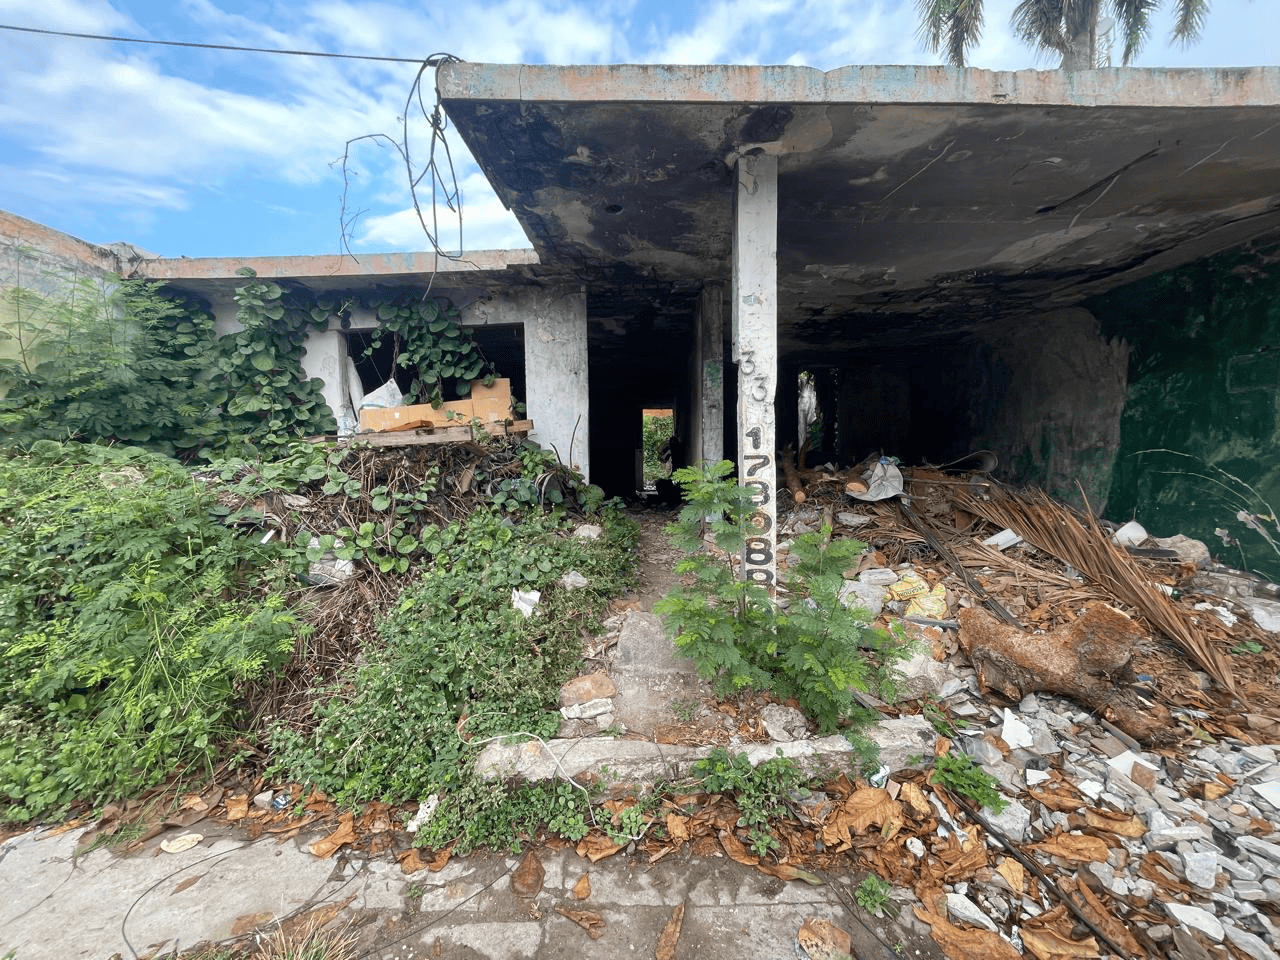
column 932, row 605
column 909, row 585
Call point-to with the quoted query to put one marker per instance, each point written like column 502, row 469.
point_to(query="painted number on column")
column 757, row 555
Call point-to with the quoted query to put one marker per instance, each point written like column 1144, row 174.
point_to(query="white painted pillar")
column 708, row 388
column 755, row 348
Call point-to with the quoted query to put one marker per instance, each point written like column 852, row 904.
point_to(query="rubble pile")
column 1119, row 838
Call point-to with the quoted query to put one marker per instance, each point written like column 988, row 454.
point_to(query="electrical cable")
column 222, row 46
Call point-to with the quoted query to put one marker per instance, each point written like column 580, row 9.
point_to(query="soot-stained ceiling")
column 914, row 202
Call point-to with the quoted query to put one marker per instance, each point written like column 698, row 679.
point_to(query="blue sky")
column 197, row 153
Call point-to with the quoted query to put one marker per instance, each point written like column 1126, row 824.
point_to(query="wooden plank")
column 417, row 438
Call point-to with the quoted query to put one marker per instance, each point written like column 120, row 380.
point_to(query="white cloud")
column 486, row 224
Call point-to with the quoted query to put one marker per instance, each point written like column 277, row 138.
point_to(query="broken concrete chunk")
column 1188, row 550
column 1202, row 920
column 784, row 723
column 960, row 907
column 850, row 519
column 1015, row 733
column 585, row 711
column 592, row 686
column 878, row 576
column 868, row 596
column 589, row 531
column 1130, row 535
column 924, row 676
column 573, row 580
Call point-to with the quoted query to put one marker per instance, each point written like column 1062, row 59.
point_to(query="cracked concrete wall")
column 1050, row 404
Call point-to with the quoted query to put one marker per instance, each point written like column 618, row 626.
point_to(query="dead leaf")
column 298, row 926
column 736, row 849
column 438, row 862
column 1213, row 790
column 670, row 935
column 237, row 808
column 582, row 889
column 1107, row 922
column 1013, row 873
column 248, row 922
column 595, row 846
column 1050, row 945
column 972, row 944
column 526, row 879
column 411, row 861
column 823, row 940
column 677, row 827
column 915, row 799
column 1075, row 846
column 1124, row 825
column 326, row 847
column 787, row 871
column 185, row 884
column 593, row 923
column 1058, row 796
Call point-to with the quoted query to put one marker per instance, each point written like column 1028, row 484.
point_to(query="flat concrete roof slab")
column 932, row 197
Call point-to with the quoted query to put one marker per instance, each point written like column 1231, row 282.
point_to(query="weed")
column 761, row 793
column 129, row 621
column 684, row 710
column 1247, row 646
column 936, row 714
column 457, row 661
column 818, row 652
column 415, row 891
column 961, row 775
column 872, row 894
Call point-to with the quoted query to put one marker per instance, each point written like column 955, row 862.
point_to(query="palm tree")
column 1068, row 27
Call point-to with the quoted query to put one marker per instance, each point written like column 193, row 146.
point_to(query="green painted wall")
column 1200, row 434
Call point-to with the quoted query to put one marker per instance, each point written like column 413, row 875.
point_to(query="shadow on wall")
column 1199, row 433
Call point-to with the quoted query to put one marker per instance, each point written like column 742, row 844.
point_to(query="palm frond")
column 1189, row 20
column 1039, row 23
column 965, row 29
column 1133, row 17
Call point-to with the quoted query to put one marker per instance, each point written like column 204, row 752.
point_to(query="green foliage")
column 872, row 894
column 456, row 656
column 107, row 362
column 128, row 621
column 961, row 775
column 256, row 373
column 429, row 342
column 818, row 651
column 761, row 793
column 655, row 433
column 119, row 361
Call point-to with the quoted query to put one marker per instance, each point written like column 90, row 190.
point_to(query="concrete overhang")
column 475, row 272
column 913, row 201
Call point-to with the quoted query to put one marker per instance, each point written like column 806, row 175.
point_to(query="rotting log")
column 1087, row 660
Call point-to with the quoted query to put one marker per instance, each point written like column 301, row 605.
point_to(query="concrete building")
column 950, row 256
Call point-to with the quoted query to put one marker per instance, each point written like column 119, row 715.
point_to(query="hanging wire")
column 438, row 167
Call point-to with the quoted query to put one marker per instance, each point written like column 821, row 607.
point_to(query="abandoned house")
column 1077, row 271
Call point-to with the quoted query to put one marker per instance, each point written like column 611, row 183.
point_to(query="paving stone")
column 1200, row 919
column 866, row 595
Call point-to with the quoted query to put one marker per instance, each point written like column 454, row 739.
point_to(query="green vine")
column 258, row 374
column 431, row 344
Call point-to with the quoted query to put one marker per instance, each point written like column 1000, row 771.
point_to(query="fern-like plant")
column 818, row 651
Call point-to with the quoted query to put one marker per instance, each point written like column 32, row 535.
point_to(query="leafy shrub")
column 761, row 792
column 128, row 619
column 961, row 775
column 458, row 661
column 656, row 432
column 818, row 651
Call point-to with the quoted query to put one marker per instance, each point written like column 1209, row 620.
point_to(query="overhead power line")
column 222, row 46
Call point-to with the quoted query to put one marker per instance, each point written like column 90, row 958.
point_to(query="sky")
column 199, row 153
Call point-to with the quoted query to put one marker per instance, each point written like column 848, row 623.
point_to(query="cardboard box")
column 486, row 404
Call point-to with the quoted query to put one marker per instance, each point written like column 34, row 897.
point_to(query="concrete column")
column 555, row 370
column 326, row 357
column 755, row 348
column 707, row 444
